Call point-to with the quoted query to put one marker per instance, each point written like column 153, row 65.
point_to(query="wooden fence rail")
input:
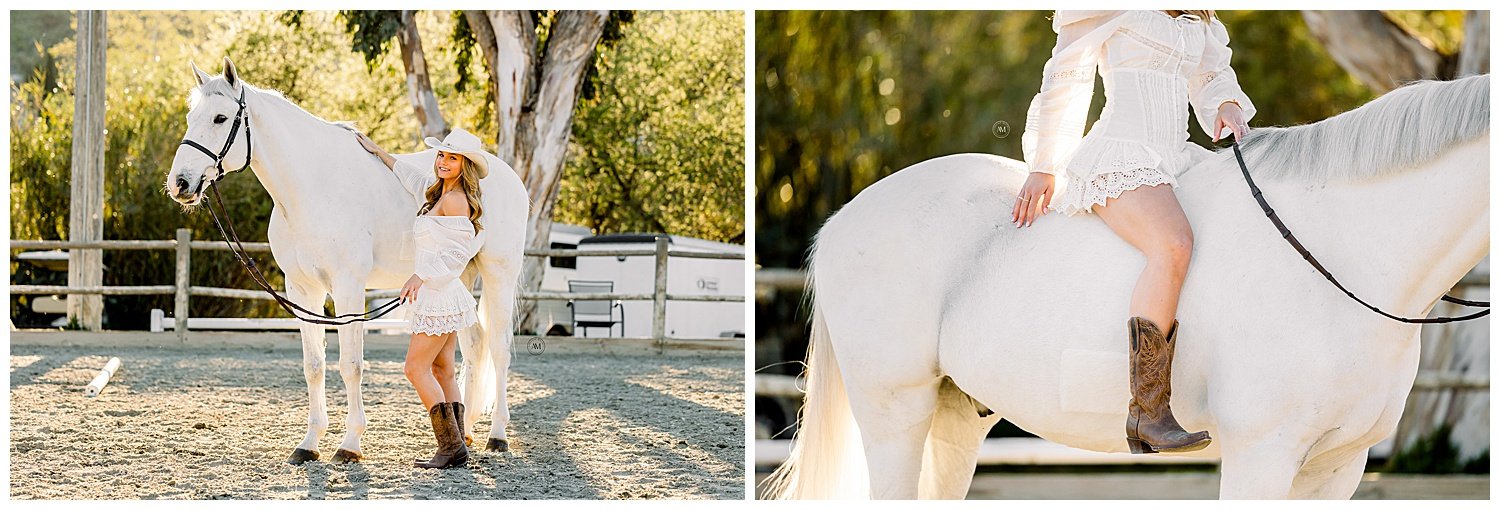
column 183, row 290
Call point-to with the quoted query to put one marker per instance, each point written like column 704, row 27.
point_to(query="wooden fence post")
column 659, row 296
column 184, row 270
column 86, row 196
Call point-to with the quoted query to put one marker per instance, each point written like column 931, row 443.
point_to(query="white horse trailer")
column 636, row 275
column 555, row 316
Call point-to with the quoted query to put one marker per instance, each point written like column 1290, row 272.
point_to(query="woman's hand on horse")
column 1232, row 117
column 1032, row 202
column 370, row 146
column 367, row 144
column 409, row 289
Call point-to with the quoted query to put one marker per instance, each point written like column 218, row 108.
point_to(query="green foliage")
column 371, row 32
column 461, row 39
column 1435, row 453
column 845, row 98
column 614, row 30
column 661, row 148
column 30, row 29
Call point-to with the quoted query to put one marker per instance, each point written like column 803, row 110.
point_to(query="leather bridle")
column 241, row 116
column 1296, row 245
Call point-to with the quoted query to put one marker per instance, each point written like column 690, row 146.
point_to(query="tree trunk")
column 1377, row 51
column 535, row 97
column 1474, row 57
column 418, row 86
column 515, row 87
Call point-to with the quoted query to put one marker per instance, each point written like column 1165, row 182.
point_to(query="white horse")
column 342, row 224
column 930, row 308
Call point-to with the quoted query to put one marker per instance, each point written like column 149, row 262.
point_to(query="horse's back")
column 924, row 275
column 891, row 267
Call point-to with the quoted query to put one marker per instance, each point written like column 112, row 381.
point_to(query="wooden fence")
column 183, row 290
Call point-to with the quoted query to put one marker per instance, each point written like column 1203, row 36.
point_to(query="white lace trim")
column 441, row 310
column 1085, row 194
column 442, row 324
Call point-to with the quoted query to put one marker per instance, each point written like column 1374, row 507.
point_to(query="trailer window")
column 564, row 262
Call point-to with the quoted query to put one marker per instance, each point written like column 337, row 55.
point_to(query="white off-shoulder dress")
column 444, row 246
column 1153, row 66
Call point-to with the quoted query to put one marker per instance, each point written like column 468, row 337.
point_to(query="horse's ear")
column 198, row 74
column 229, row 73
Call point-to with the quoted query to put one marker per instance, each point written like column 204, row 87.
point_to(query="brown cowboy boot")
column 450, row 451
column 458, row 415
column 1150, row 428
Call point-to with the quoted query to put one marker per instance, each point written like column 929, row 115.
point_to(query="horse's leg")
column 894, row 422
column 953, row 444
column 350, row 298
column 500, row 287
column 1260, row 469
column 313, row 348
column 471, row 346
column 1330, row 478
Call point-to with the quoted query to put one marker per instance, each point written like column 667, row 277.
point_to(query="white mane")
column 1394, row 132
column 218, row 85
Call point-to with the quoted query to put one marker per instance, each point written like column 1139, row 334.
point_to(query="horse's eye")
column 219, row 119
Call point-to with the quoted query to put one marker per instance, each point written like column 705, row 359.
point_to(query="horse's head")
column 217, row 140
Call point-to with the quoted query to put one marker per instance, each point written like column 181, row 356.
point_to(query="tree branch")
column 515, row 62
column 418, row 85
column 1377, row 51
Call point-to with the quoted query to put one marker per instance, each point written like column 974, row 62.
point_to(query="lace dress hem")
column 1082, row 195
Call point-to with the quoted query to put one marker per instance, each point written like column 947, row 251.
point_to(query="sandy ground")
column 219, row 422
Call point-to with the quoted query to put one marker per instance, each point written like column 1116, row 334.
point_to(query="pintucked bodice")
column 1154, row 67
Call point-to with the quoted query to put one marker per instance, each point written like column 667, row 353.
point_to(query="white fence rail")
column 183, row 290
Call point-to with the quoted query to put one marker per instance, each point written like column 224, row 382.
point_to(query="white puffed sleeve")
column 444, row 266
column 1058, row 114
column 1214, row 83
column 414, row 178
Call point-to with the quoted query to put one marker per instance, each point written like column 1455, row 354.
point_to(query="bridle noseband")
column 239, row 116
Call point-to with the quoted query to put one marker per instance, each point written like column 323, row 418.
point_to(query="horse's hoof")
column 299, row 456
column 497, row 445
column 345, row 456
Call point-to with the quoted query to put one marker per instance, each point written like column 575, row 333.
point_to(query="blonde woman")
column 447, row 234
column 1154, row 65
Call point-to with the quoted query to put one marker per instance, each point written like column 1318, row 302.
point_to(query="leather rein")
column 237, row 247
column 1296, row 245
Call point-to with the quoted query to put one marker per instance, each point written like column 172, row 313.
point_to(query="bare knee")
column 444, row 371
column 415, row 371
column 1175, row 250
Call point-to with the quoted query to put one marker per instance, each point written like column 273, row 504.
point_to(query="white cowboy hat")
column 463, row 142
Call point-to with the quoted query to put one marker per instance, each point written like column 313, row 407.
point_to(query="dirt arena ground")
column 218, row 422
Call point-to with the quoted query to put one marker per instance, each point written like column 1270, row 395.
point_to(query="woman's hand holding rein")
column 1232, row 117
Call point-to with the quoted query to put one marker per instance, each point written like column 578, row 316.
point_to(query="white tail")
column 495, row 331
column 827, row 460
column 484, row 368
